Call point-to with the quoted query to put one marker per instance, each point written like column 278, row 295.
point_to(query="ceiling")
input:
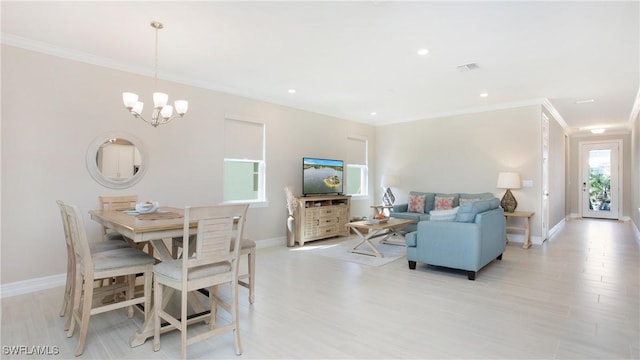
column 349, row 59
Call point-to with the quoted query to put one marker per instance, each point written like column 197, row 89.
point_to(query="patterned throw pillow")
column 416, row 203
column 444, row 203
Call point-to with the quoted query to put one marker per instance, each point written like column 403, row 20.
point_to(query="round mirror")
column 116, row 160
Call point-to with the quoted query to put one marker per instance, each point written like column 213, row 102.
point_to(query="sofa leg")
column 471, row 275
column 412, row 265
column 499, row 257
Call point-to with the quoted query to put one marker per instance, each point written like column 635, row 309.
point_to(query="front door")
column 600, row 179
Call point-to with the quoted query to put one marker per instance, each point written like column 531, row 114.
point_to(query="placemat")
column 160, row 216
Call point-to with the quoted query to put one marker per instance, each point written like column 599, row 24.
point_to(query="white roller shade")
column 243, row 140
column 356, row 151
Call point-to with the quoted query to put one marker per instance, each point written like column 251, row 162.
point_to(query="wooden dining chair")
column 120, row 202
column 91, row 266
column 248, row 248
column 213, row 263
column 67, row 300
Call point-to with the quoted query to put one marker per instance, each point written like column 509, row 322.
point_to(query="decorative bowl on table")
column 377, row 220
column 147, row 207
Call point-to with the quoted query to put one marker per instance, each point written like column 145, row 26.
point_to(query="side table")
column 381, row 209
column 526, row 215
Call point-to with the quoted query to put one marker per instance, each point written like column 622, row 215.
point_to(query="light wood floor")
column 575, row 297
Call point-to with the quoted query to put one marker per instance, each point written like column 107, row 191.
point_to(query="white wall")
column 54, row 108
column 465, row 153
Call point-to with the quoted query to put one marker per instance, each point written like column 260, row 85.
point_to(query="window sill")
column 359, row 197
column 252, row 203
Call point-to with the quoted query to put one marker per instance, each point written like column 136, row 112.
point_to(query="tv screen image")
column 322, row 176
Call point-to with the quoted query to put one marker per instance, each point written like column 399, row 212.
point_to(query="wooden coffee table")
column 383, row 229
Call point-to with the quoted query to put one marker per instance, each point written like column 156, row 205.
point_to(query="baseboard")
column 32, row 285
column 554, row 230
column 47, row 282
column 265, row 243
column 519, row 238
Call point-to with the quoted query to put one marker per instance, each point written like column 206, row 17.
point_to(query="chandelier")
column 162, row 113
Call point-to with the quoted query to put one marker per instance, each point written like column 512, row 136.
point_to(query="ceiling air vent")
column 467, row 67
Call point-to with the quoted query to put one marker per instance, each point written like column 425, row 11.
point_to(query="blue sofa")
column 401, row 211
column 472, row 240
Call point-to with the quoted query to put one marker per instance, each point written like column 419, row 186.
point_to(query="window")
column 244, row 167
column 357, row 168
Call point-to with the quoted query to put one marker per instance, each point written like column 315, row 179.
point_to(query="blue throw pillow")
column 468, row 211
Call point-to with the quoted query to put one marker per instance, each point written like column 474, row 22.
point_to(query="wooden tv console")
column 321, row 217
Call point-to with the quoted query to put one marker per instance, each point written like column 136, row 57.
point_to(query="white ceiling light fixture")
column 423, row 52
column 162, row 113
column 373, row 113
column 598, row 131
column 484, row 94
column 585, row 101
column 291, row 91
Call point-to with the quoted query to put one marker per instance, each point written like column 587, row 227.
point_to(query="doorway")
column 600, row 179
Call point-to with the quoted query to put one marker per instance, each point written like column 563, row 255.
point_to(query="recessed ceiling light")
column 373, row 113
column 423, row 52
column 597, row 131
column 484, row 94
column 585, row 101
column 292, row 91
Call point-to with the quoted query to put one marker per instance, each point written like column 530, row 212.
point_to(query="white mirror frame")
column 92, row 165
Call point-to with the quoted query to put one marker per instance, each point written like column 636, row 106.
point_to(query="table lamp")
column 387, row 182
column 509, row 180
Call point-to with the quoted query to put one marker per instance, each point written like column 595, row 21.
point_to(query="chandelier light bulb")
column 129, row 99
column 166, row 111
column 137, row 108
column 181, row 106
column 160, row 99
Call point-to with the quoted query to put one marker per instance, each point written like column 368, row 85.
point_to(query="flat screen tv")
column 322, row 176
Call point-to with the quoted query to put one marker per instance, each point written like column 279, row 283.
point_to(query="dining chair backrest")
column 217, row 228
column 124, row 202
column 78, row 235
column 120, row 202
column 65, row 226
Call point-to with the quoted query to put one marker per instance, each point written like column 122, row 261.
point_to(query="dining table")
column 156, row 228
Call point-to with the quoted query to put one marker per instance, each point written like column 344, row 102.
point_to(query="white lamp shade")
column 129, row 99
column 509, row 180
column 181, row 106
column 390, row 180
column 160, row 99
column 137, row 107
column 166, row 111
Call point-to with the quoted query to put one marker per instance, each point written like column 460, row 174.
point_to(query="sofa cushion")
column 411, row 216
column 416, row 203
column 443, row 215
column 467, row 212
column 463, row 201
column 445, row 201
column 477, row 196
